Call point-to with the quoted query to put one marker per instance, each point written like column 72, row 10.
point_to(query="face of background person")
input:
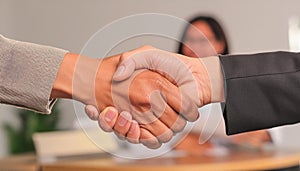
column 200, row 41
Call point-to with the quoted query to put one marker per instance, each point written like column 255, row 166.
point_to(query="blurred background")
column 250, row 26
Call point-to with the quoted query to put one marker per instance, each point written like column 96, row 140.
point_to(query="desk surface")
column 24, row 162
column 234, row 161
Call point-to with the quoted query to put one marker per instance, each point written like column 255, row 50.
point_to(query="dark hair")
column 215, row 27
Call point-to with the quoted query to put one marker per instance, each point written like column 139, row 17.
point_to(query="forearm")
column 27, row 72
column 76, row 79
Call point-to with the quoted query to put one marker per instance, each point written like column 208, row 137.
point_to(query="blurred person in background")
column 204, row 37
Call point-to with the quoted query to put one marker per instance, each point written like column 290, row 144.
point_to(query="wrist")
column 84, row 80
column 215, row 74
column 62, row 87
column 103, row 81
column 75, row 79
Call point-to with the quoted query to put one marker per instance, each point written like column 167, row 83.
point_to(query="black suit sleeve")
column 262, row 90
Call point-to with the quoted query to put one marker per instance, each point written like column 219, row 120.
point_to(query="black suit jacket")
column 262, row 90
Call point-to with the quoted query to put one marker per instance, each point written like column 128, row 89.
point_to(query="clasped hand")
column 147, row 95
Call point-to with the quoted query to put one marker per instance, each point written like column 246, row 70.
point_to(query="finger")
column 189, row 110
column 172, row 120
column 92, row 112
column 133, row 134
column 148, row 140
column 147, row 118
column 159, row 130
column 179, row 101
column 165, row 113
column 125, row 70
column 164, row 62
column 151, row 123
column 154, row 59
column 128, row 61
column 123, row 124
column 107, row 118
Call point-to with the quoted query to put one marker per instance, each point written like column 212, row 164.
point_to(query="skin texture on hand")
column 199, row 77
column 108, row 120
column 146, row 97
column 206, row 77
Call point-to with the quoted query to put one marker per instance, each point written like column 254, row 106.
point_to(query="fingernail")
column 134, row 125
column 94, row 114
column 124, row 118
column 119, row 71
column 110, row 115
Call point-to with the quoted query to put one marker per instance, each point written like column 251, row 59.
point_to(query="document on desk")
column 52, row 146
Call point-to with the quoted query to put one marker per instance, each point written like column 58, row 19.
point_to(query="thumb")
column 130, row 61
column 125, row 69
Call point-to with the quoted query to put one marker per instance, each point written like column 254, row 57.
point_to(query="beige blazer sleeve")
column 27, row 74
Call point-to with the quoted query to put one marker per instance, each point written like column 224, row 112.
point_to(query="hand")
column 146, row 95
column 150, row 97
column 157, row 60
column 120, row 122
column 199, row 78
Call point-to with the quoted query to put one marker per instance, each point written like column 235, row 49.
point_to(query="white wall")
column 252, row 26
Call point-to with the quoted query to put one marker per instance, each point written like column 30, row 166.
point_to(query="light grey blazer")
column 27, row 74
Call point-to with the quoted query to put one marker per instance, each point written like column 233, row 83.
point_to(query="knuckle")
column 179, row 125
column 144, row 47
column 191, row 116
column 124, row 56
column 151, row 144
column 195, row 117
column 165, row 137
column 132, row 140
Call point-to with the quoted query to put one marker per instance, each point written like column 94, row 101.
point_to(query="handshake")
column 146, row 95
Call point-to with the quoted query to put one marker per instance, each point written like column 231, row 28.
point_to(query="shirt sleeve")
column 262, row 90
column 27, row 74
